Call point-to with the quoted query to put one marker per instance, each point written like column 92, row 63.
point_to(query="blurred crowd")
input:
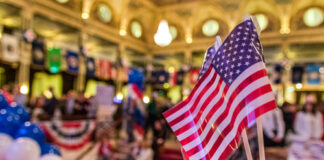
column 288, row 123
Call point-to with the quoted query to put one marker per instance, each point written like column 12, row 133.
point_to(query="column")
column 82, row 60
column 25, row 49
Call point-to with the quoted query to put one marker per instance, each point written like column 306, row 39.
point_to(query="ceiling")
column 170, row 2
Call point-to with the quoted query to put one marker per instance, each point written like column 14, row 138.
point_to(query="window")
column 62, row 1
column 210, row 28
column 173, row 32
column 104, row 13
column 313, row 17
column 136, row 29
column 262, row 20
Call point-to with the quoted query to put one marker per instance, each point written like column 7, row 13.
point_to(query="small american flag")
column 232, row 92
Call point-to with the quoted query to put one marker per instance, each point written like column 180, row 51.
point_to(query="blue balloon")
column 3, row 102
column 50, row 149
column 9, row 122
column 30, row 130
column 21, row 112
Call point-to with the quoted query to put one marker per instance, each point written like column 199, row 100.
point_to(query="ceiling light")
column 163, row 36
column 85, row 15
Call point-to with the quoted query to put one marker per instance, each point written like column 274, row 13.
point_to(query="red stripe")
column 258, row 112
column 179, row 106
column 255, row 94
column 197, row 100
column 245, row 83
column 72, row 124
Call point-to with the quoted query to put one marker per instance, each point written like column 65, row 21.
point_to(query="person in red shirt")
column 7, row 94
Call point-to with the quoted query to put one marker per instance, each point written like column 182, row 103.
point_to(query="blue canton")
column 240, row 50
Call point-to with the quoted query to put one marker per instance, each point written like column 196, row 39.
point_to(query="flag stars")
column 225, row 75
column 248, row 56
column 250, row 50
column 230, row 48
column 247, row 63
column 238, row 71
column 243, row 44
column 246, row 33
column 227, row 61
column 239, row 64
column 240, row 57
column 231, row 42
column 237, row 39
column 236, row 45
column 231, row 73
column 235, row 52
column 233, row 59
column 256, row 58
column 244, row 38
column 242, row 50
column 230, row 80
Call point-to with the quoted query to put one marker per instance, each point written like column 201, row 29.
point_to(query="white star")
column 230, row 48
column 246, row 33
column 249, row 23
column 218, row 52
column 240, row 27
column 237, row 39
column 247, row 29
column 225, row 50
column 232, row 66
column 217, row 59
column 221, row 70
column 223, row 57
column 231, row 42
column 243, row 44
column 254, row 30
column 214, row 61
column 239, row 64
column 244, row 38
column 250, row 50
column 240, row 57
column 235, row 52
column 248, row 56
column 253, row 35
column 230, row 80
column 225, row 75
column 217, row 66
column 238, row 71
column 233, row 59
column 227, row 61
column 222, row 63
column 257, row 58
column 242, row 50
column 225, row 44
column 231, row 73
column 238, row 33
column 226, row 68
column 236, row 45
column 258, row 44
column 232, row 35
column 247, row 63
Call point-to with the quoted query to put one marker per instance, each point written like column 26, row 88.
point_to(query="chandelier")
column 163, row 36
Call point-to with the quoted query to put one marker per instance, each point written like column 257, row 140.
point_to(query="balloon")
column 23, row 149
column 50, row 149
column 9, row 122
column 20, row 111
column 32, row 131
column 3, row 102
column 5, row 142
column 51, row 157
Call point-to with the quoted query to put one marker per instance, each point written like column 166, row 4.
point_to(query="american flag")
column 232, row 92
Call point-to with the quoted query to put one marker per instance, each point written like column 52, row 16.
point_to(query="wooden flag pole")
column 247, row 148
column 258, row 120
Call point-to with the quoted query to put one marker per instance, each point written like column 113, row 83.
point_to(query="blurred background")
column 96, row 75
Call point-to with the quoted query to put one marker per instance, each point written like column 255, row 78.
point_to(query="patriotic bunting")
column 160, row 77
column 72, row 60
column 70, row 135
column 10, row 48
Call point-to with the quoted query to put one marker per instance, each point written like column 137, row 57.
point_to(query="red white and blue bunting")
column 69, row 134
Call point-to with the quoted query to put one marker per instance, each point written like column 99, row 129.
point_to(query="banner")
column 177, row 78
column 160, row 77
column 38, row 53
column 103, row 69
column 313, row 74
column 274, row 73
column 72, row 60
column 105, row 95
column 54, row 60
column 70, row 135
column 10, row 48
column 297, row 74
column 194, row 73
column 91, row 67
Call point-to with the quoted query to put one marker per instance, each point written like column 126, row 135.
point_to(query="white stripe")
column 201, row 101
column 204, row 114
column 243, row 114
column 256, row 67
column 184, row 109
column 245, row 92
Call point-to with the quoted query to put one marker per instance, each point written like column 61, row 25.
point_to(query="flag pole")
column 258, row 120
column 218, row 43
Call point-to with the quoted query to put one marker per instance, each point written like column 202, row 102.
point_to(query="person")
column 308, row 123
column 38, row 103
column 70, row 102
column 130, row 116
column 159, row 137
column 274, row 128
column 18, row 97
column 6, row 93
column 50, row 104
column 93, row 106
column 289, row 111
column 152, row 113
column 81, row 105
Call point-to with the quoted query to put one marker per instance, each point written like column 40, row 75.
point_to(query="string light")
column 24, row 89
column 299, row 85
column 120, row 96
column 146, row 99
column 85, row 15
